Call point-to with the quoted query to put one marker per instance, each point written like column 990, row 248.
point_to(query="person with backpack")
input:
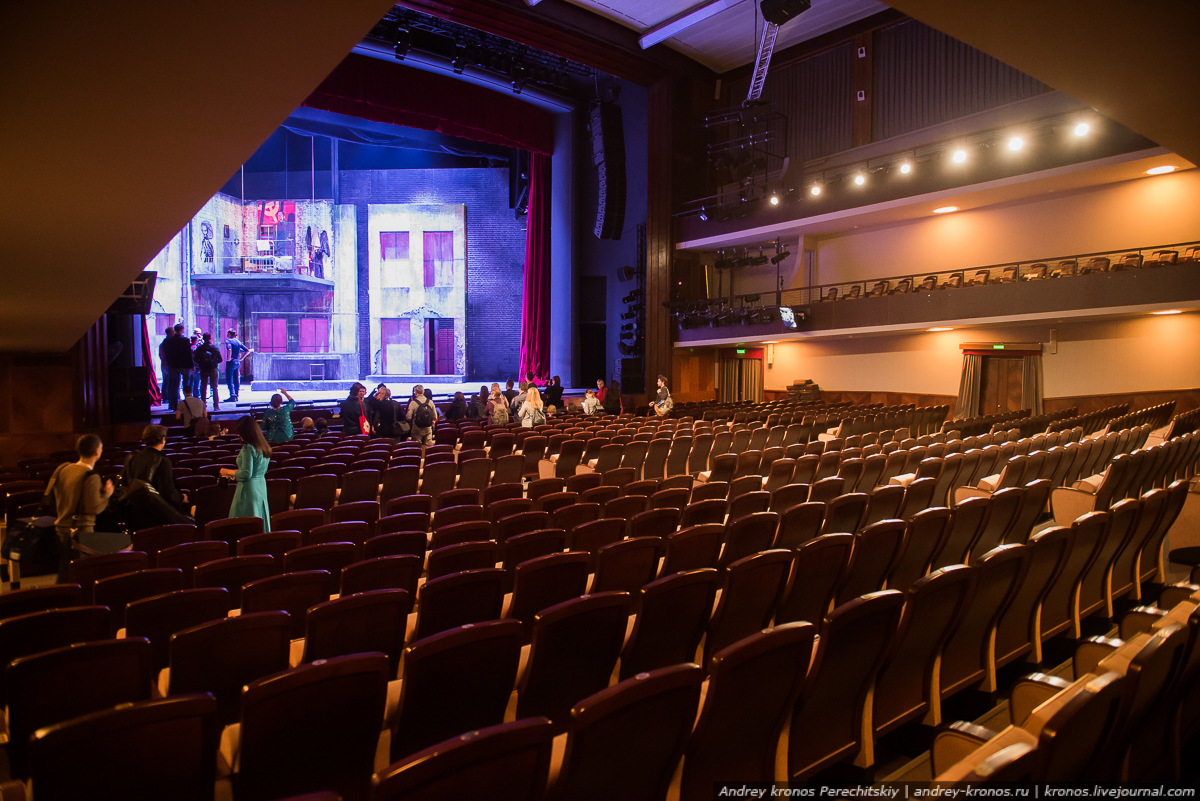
column 422, row 414
column 662, row 400
column 207, row 356
column 497, row 408
column 77, row 493
column 531, row 412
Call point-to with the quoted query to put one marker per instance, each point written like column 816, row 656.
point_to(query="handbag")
column 362, row 419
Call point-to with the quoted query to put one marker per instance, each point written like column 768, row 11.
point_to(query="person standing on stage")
column 234, row 351
column 250, row 495
column 278, row 418
column 207, row 357
column 163, row 369
column 178, row 353
column 196, row 341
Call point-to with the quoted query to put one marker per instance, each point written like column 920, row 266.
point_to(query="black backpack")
column 207, row 357
column 423, row 416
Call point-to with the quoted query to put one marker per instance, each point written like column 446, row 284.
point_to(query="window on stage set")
column 314, row 335
column 164, row 322
column 393, row 257
column 438, row 252
column 395, row 335
column 272, row 335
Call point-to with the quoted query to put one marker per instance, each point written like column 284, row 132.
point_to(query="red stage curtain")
column 535, row 314
column 148, row 358
column 373, row 89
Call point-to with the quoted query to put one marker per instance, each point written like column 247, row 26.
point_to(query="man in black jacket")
column 353, row 408
column 150, row 495
column 207, row 357
column 178, row 353
column 552, row 396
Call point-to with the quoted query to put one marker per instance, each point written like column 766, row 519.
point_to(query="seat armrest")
column 1068, row 504
column 1175, row 594
column 1089, row 652
column 954, row 742
column 1031, row 692
column 13, row 791
column 989, row 483
column 1140, row 619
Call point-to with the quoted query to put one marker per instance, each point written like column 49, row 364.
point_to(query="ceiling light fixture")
column 945, row 209
column 815, row 190
column 774, row 201
column 860, row 179
column 941, row 328
column 1161, row 170
column 1016, row 143
column 905, row 168
column 1169, row 311
column 959, row 156
column 1082, row 129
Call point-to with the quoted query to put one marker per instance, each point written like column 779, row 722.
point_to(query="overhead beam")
column 681, row 22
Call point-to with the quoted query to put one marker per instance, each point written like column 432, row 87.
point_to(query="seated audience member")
column 551, row 411
column 458, row 408
column 553, row 394
column 591, row 404
column 322, row 426
column 306, row 425
column 278, row 418
column 190, row 409
column 475, row 409
column 509, row 393
column 77, row 494
column 149, row 495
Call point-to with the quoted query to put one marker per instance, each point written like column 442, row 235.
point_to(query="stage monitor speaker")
column 608, row 154
column 780, row 11
column 633, row 377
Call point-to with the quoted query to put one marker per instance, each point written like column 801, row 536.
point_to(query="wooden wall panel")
column 693, row 377
column 659, row 240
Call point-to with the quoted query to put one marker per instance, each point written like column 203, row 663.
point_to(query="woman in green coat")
column 250, row 496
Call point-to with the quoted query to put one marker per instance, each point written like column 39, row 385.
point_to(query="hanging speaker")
column 780, row 11
column 608, row 155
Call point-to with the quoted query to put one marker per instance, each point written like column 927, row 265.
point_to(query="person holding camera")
column 278, row 418
column 77, row 493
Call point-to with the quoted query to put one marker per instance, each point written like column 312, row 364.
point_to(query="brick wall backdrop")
column 495, row 256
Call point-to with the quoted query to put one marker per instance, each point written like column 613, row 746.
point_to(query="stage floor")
column 258, row 398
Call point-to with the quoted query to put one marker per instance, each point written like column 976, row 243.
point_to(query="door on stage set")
column 314, row 335
column 395, row 346
column 439, row 346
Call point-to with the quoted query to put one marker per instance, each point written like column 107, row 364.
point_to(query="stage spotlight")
column 778, row 257
column 959, row 156
column 1082, row 129
column 704, row 214
column 403, row 43
column 860, row 179
column 1016, row 143
column 637, row 307
column 633, row 295
column 628, row 327
column 625, row 273
column 627, row 335
column 815, row 190
column 759, row 259
column 774, row 199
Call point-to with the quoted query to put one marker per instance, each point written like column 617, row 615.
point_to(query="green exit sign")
column 741, row 350
column 997, row 347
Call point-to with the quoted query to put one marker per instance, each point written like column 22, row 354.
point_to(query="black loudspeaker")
column 780, row 11
column 633, row 377
column 608, row 154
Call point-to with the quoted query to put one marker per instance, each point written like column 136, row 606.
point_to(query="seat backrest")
column 451, row 601
column 116, row 592
column 885, row 503
column 1059, row 606
column 1005, row 506
column 1070, row 739
column 628, row 565
column 630, row 735
column 693, row 548
column 999, row 574
column 750, row 594
column 818, row 568
column 673, row 613
column 367, row 621
column 926, row 534
column 877, row 549
column 934, row 605
column 574, row 648
column 158, row 617
column 544, row 581
column 39, row 599
column 86, row 572
column 966, row 525
column 45, row 630
column 132, row 751
column 55, row 686
column 1015, row 634
column 748, row 535
column 293, row 593
column 454, row 682
column 224, row 655
column 330, row 557
column 313, row 725
column 400, row 572
column 844, row 514
column 458, row 533
column 826, row 723
column 507, row 762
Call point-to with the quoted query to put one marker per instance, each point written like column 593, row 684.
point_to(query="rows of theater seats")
column 775, row 550
column 1134, row 702
column 1014, row 273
